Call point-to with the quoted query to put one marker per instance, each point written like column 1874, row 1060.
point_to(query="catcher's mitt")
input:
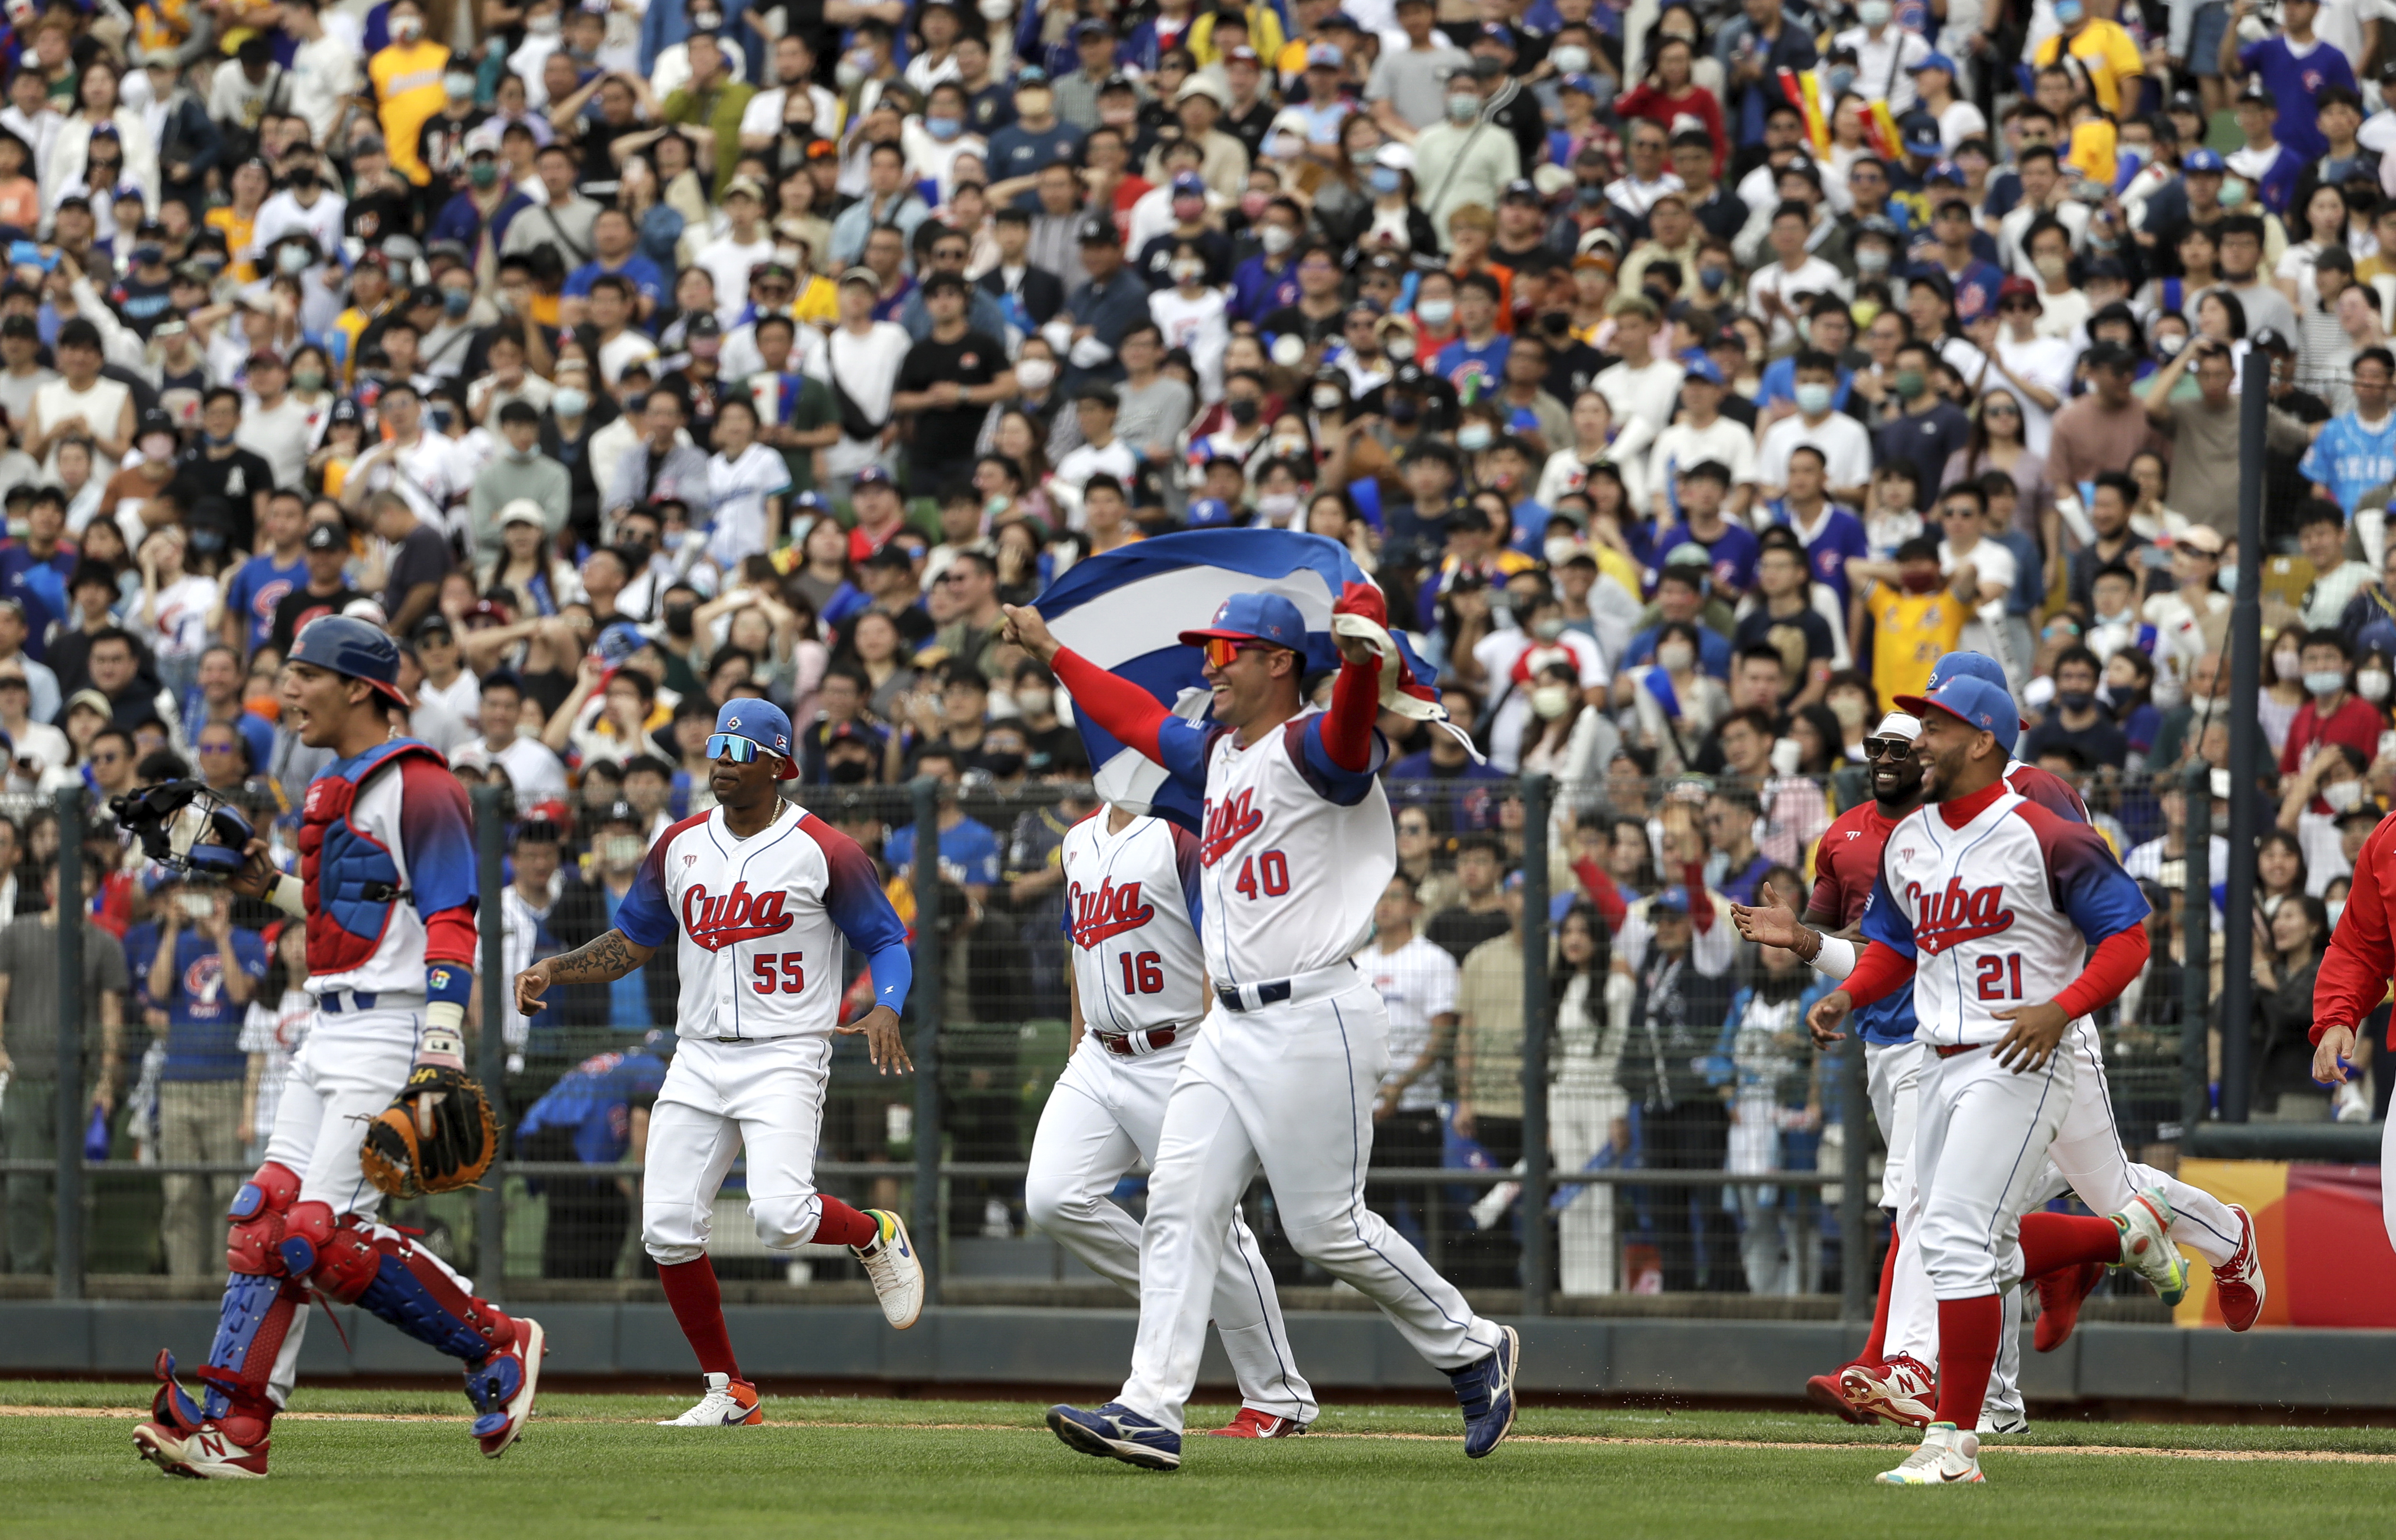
column 436, row 1136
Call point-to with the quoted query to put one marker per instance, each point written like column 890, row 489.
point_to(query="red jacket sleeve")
column 1355, row 706
column 1701, row 904
column 2110, row 967
column 1879, row 973
column 1119, row 706
column 2353, row 977
column 1601, row 893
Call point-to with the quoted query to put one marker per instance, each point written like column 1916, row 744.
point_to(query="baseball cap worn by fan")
column 763, row 723
column 1253, row 617
column 1976, row 703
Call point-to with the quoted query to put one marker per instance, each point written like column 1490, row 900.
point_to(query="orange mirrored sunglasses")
column 1222, row 650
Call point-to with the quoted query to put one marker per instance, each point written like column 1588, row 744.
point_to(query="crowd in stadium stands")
column 1689, row 377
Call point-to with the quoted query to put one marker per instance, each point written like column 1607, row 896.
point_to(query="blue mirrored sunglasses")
column 740, row 749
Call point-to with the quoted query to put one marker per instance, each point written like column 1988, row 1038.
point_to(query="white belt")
column 1295, row 989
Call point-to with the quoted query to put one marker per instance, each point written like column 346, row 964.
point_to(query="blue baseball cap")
column 763, row 723
column 1968, row 665
column 1672, row 900
column 1932, row 62
column 1253, row 617
column 1974, row 702
column 1206, row 512
column 619, row 641
column 1701, row 368
column 2203, row 160
column 1189, row 184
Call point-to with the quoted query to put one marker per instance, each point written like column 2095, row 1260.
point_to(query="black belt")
column 1267, row 994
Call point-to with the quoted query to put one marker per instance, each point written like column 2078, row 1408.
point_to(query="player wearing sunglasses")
column 763, row 901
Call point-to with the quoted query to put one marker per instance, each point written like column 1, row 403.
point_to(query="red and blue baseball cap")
column 763, row 723
column 1253, row 617
column 1970, row 665
column 1974, row 702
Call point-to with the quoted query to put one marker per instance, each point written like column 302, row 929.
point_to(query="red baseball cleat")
column 1253, row 1424
column 1822, row 1391
column 2238, row 1283
column 2060, row 1293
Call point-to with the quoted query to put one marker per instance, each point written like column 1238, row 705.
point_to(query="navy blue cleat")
column 1485, row 1392
column 1116, row 1432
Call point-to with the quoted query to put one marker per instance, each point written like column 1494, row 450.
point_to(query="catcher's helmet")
column 352, row 647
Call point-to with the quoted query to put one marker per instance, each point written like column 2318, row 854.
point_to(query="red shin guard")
column 699, row 1310
column 1968, row 1333
column 2052, row 1241
column 842, row 1225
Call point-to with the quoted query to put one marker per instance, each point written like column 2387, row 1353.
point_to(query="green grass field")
column 379, row 1463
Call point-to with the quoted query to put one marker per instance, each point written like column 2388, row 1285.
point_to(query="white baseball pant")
column 765, row 1095
column 343, row 1076
column 1979, row 1158
column 1287, row 1089
column 1105, row 1113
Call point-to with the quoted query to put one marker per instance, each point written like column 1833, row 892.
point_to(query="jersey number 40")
column 1270, row 870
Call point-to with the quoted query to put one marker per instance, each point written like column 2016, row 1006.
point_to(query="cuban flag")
column 1125, row 611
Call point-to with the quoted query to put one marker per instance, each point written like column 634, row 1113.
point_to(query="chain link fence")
column 1627, row 1106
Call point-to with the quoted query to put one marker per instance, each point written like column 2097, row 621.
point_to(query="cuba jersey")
column 764, row 924
column 1131, row 908
column 414, row 810
column 1293, row 855
column 1846, row 867
column 1998, row 913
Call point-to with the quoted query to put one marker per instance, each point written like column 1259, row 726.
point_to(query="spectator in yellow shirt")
column 1264, row 34
column 2099, row 49
column 406, row 79
column 1916, row 617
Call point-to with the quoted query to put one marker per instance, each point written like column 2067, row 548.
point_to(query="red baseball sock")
column 1968, row 1330
column 699, row 1310
column 842, row 1225
column 1877, row 1343
column 2051, row 1241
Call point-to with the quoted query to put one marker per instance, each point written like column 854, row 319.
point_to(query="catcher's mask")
column 185, row 826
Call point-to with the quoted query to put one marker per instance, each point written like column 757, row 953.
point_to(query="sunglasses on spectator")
column 1887, row 747
column 2000, row 408
column 216, row 748
column 2017, row 307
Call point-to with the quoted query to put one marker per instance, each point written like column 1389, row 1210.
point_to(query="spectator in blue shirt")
column 596, row 1114
column 261, row 582
column 197, row 971
column 1035, row 139
column 1268, row 281
column 612, row 242
column 1680, row 596
column 1479, row 354
column 1831, row 535
column 1833, row 330
column 34, row 570
column 2292, row 66
column 968, row 849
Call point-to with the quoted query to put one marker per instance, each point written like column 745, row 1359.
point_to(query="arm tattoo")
column 601, row 961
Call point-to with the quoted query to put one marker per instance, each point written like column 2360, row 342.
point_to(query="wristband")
column 289, row 897
column 1836, row 958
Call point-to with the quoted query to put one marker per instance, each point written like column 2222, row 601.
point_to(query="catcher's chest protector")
column 350, row 878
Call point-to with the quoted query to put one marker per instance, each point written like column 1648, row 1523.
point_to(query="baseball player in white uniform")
column 387, row 889
column 1297, row 849
column 2008, row 923
column 764, row 900
column 1138, row 983
column 1896, row 1379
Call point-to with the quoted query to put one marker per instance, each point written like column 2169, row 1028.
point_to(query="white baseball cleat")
column 728, row 1403
column 205, row 1455
column 897, row 1273
column 1902, row 1390
column 2147, row 1246
column 1947, row 1457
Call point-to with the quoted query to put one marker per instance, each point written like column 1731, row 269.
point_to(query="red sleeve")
column 1701, row 906
column 1119, row 706
column 1879, row 972
column 1710, row 110
column 2291, row 751
column 1828, row 900
column 1638, row 102
column 2353, row 977
column 1355, row 705
column 1601, row 893
column 2110, row 967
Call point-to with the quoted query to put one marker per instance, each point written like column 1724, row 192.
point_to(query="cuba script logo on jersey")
column 732, row 918
column 1956, row 914
column 1227, row 823
column 1108, row 912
